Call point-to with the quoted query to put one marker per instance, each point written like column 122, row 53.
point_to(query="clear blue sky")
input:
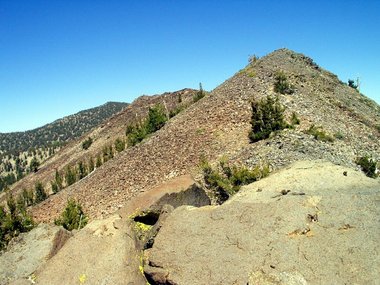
column 58, row 57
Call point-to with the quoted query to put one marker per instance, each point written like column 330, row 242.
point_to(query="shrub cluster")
column 72, row 217
column 14, row 220
column 352, row 84
column 226, row 180
column 156, row 120
column 200, row 94
column 368, row 166
column 319, row 134
column 87, row 143
column 267, row 117
column 281, row 84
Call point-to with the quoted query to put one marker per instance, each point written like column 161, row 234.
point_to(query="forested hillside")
column 23, row 152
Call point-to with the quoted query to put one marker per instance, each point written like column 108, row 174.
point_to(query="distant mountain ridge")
column 61, row 130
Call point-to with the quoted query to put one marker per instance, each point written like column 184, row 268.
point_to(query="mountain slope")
column 61, row 130
column 218, row 125
column 104, row 136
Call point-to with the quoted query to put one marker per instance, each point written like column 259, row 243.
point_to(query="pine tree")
column 58, row 180
column 156, row 118
column 91, row 165
column 40, row 192
column 34, row 164
column 267, row 116
column 70, row 176
column 82, row 171
column 98, row 161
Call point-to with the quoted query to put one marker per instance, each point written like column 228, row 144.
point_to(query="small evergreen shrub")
column 72, row 217
column 227, row 180
column 281, row 84
column 40, row 193
column 82, row 170
column 91, row 165
column 70, row 176
column 156, row 120
column 319, row 134
column 295, row 120
column 119, row 145
column 107, row 153
column 87, row 143
column 34, row 164
column 58, row 180
column 136, row 134
column 352, row 84
column 28, row 197
column 199, row 95
column 267, row 117
column 14, row 220
column 99, row 161
column 339, row 136
column 368, row 166
column 54, row 187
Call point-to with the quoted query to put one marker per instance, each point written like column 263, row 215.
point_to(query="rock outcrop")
column 106, row 251
column 312, row 223
column 30, row 251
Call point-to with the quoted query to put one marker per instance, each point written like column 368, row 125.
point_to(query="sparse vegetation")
column 91, row 165
column 98, row 161
column 339, row 136
column 136, row 134
column 267, row 117
column 368, row 166
column 34, row 164
column 107, row 153
column 156, row 120
column 200, row 94
column 13, row 220
column 58, row 180
column 295, row 120
column 87, row 143
column 82, row 170
column 226, row 180
column 252, row 59
column 70, row 176
column 352, row 84
column 40, row 193
column 177, row 110
column 72, row 217
column 23, row 152
column 319, row 134
column 281, row 84
column 119, row 144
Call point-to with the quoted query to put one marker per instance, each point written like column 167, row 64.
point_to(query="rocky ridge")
column 103, row 135
column 310, row 222
column 306, row 224
column 218, row 125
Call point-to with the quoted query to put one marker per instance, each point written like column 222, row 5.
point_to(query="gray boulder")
column 307, row 224
column 30, row 251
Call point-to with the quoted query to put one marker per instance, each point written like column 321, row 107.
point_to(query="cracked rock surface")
column 307, row 224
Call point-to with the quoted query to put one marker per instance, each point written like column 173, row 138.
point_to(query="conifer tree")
column 40, row 192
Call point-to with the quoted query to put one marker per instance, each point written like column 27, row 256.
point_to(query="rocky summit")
column 153, row 217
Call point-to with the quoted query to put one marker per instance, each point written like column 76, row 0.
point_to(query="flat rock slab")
column 307, row 224
column 182, row 190
column 30, row 252
column 102, row 253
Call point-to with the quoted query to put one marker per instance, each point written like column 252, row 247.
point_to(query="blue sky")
column 58, row 57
